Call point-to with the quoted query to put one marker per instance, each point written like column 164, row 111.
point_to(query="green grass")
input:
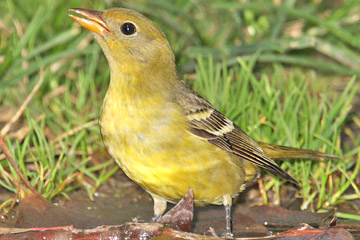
column 276, row 86
column 283, row 111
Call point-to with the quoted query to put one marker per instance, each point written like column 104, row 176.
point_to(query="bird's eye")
column 128, row 28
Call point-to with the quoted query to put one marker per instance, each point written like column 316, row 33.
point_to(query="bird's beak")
column 93, row 20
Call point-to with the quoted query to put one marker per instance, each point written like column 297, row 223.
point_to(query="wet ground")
column 120, row 200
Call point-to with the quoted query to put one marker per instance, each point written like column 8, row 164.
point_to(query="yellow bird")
column 164, row 136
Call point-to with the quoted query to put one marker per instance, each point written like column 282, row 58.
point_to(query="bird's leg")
column 227, row 201
column 159, row 207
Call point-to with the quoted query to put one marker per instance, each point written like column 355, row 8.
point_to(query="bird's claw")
column 155, row 218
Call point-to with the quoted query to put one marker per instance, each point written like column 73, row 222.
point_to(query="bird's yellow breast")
column 149, row 138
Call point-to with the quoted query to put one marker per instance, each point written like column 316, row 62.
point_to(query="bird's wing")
column 208, row 123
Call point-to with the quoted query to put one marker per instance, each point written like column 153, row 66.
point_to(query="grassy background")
column 285, row 71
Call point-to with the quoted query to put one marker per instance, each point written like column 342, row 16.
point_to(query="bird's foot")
column 211, row 231
column 155, row 218
column 228, row 235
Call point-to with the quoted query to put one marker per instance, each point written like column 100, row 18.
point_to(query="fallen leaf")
column 182, row 214
column 306, row 232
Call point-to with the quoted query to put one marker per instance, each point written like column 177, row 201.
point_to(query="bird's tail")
column 280, row 152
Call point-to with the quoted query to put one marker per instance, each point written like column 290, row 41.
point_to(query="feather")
column 208, row 123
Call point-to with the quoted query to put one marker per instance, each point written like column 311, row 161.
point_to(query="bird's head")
column 129, row 40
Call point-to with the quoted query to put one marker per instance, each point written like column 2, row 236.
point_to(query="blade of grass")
column 335, row 30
